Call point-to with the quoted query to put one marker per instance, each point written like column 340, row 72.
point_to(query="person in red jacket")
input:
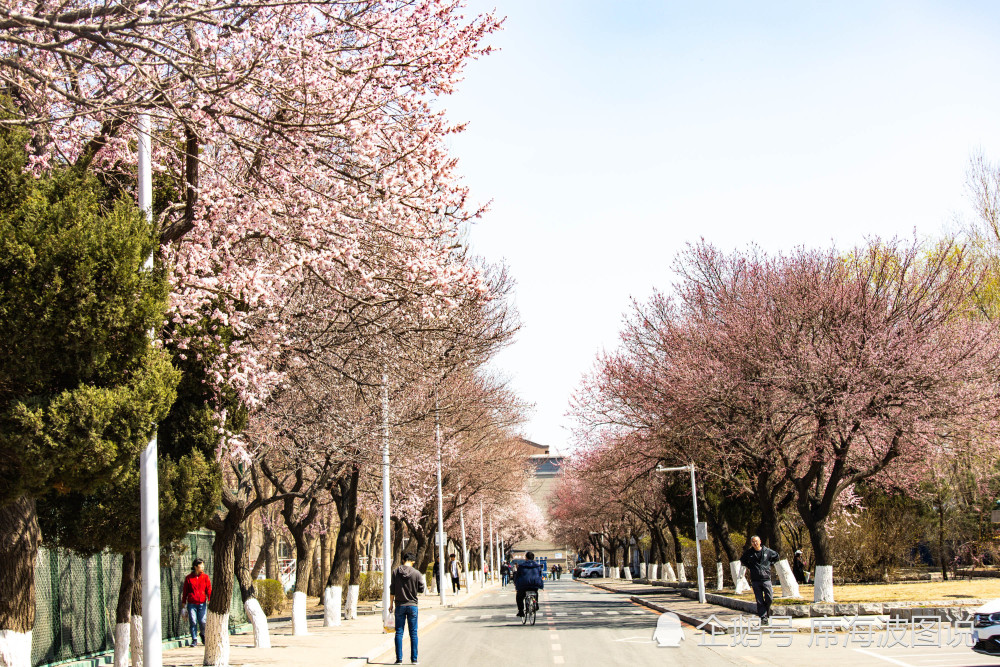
column 196, row 594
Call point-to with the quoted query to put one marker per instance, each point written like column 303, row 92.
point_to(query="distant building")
column 547, row 468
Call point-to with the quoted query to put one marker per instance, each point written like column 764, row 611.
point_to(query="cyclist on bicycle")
column 528, row 578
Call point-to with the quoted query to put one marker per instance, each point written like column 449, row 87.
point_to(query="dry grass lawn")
column 976, row 589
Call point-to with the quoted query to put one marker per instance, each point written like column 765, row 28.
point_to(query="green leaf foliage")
column 81, row 385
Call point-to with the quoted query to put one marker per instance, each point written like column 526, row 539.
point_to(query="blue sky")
column 607, row 135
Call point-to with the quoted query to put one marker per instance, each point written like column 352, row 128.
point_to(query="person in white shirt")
column 454, row 569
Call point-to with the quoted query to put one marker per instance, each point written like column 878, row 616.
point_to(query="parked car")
column 986, row 629
column 592, row 570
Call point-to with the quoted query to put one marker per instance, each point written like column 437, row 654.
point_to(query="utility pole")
column 386, row 522
column 697, row 542
column 465, row 550
column 442, row 565
column 149, row 494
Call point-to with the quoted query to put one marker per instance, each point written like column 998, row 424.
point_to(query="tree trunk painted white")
column 644, row 570
column 789, row 587
column 15, row 649
column 299, row 613
column 738, row 572
column 654, row 570
column 258, row 619
column 353, row 593
column 823, row 586
column 628, row 573
column 668, row 572
column 122, row 632
column 719, row 583
column 681, row 575
column 331, row 605
column 135, row 648
column 427, row 584
column 216, row 639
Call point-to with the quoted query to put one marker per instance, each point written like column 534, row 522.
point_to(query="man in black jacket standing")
column 407, row 584
column 758, row 560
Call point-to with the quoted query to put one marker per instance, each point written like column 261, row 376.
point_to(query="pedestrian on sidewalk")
column 504, row 574
column 406, row 586
column 799, row 567
column 436, row 575
column 455, row 572
column 196, row 594
column 758, row 560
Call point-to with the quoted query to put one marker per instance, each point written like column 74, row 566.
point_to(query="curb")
column 694, row 621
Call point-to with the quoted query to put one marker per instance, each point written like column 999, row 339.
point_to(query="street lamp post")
column 465, row 549
column 386, row 524
column 482, row 548
column 149, row 506
column 697, row 543
column 440, row 535
column 492, row 566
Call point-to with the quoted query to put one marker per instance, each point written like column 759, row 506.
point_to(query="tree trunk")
column 271, row 554
column 354, row 585
column 264, row 557
column 135, row 623
column 823, row 583
column 347, row 511
column 942, row 555
column 324, row 552
column 244, row 579
column 223, row 579
column 314, row 573
column 397, row 540
column 123, row 610
column 19, row 540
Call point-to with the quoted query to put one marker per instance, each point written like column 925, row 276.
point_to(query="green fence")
column 76, row 600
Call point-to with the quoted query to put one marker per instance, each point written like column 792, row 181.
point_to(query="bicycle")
column 530, row 607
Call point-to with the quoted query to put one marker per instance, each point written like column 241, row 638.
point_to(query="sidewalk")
column 350, row 644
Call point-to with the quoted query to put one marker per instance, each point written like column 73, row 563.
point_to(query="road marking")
column 558, row 660
column 560, row 613
column 612, row 612
column 586, row 613
column 553, row 636
column 557, row 647
column 883, row 657
column 486, row 617
column 638, row 611
column 460, row 617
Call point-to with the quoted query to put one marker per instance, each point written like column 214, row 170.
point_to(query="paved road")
column 582, row 625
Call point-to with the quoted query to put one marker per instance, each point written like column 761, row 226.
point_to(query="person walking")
column 799, row 567
column 504, row 574
column 436, row 574
column 406, row 586
column 455, row 571
column 529, row 578
column 758, row 560
column 196, row 594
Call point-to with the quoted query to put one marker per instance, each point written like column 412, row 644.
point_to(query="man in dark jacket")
column 758, row 560
column 799, row 567
column 528, row 578
column 406, row 586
